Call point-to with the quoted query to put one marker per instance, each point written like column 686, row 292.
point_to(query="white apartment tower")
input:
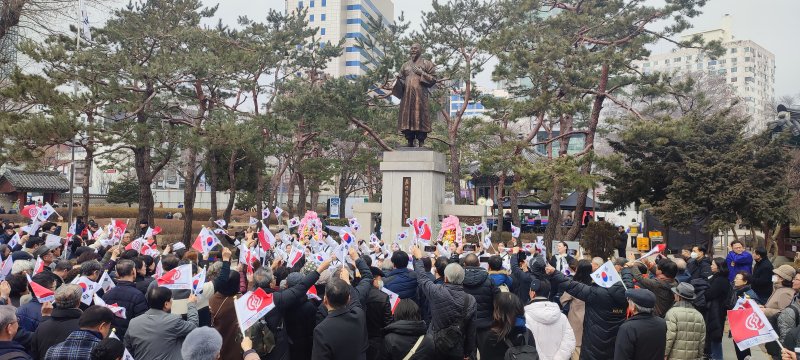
column 746, row 66
column 345, row 19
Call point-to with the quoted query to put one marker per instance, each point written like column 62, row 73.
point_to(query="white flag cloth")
column 5, row 270
column 251, row 307
column 126, row 355
column 394, row 299
column 205, row 241
column 119, row 311
column 220, row 222
column 295, row 255
column 294, row 222
column 253, row 221
column 14, row 240
column 106, row 283
column 84, row 15
column 45, row 212
column 52, row 241
column 265, row 213
column 198, row 281
column 278, row 212
column 354, row 224
column 177, row 278
column 515, row 231
column 89, row 287
column 606, row 275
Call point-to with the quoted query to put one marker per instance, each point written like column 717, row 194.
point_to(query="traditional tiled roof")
column 45, row 181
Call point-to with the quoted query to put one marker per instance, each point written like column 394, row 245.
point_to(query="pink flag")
column 5, row 270
column 750, row 327
column 265, row 238
column 39, row 267
column 251, row 307
column 655, row 250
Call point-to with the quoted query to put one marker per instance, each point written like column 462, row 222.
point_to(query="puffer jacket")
column 30, row 314
column 402, row 282
column 126, row 294
column 447, row 307
column 686, row 332
column 378, row 315
column 501, row 278
column 605, row 313
column 400, row 336
column 478, row 284
column 787, row 320
column 555, row 339
column 781, row 298
column 661, row 288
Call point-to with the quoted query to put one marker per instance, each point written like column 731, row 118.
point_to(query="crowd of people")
column 379, row 302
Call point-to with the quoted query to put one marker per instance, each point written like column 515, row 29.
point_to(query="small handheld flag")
column 251, row 307
column 177, row 278
column 394, row 299
column 42, row 293
column 606, row 275
column 515, row 231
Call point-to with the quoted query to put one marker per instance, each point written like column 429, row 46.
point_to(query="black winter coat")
column 53, row 330
column 284, row 300
column 342, row 334
column 699, row 269
column 379, row 315
column 126, row 294
column 143, row 283
column 761, row 280
column 478, row 284
column 300, row 322
column 400, row 336
column 521, row 280
column 642, row 337
column 718, row 293
column 447, row 308
column 605, row 313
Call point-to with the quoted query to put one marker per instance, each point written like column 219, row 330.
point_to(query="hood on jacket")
column 543, row 312
column 475, row 276
column 406, row 327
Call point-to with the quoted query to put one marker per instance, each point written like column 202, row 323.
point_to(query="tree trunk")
column 315, row 198
column 302, row 194
column 554, row 223
column 290, row 204
column 87, row 176
column 515, row 203
column 214, row 176
column 189, row 194
column 232, row 185
column 498, row 199
column 145, row 180
column 342, row 193
column 275, row 183
column 455, row 170
column 260, row 187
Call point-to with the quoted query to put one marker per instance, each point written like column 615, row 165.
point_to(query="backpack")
column 449, row 340
column 526, row 351
column 732, row 299
column 700, row 287
column 264, row 340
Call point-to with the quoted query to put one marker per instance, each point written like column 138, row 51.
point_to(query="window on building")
column 748, row 59
column 712, row 62
column 299, row 4
column 324, row 3
column 677, row 59
column 322, row 31
column 666, row 61
column 722, row 71
column 733, row 69
column 734, row 60
column 322, row 17
column 311, row 18
column 647, row 64
column 311, row 3
column 748, row 49
column 733, row 50
column 733, row 79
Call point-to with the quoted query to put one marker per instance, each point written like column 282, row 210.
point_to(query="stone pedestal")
column 413, row 186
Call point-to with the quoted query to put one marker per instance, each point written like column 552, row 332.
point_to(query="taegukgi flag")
column 606, row 275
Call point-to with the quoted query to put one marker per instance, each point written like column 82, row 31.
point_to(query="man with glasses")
column 10, row 349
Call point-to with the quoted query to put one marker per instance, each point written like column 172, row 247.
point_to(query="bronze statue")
column 413, row 87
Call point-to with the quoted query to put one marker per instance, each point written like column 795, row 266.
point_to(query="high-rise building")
column 746, row 66
column 349, row 20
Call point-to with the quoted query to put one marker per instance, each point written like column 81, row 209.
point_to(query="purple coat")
column 743, row 261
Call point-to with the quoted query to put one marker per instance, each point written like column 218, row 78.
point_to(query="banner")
column 251, row 307
column 750, row 327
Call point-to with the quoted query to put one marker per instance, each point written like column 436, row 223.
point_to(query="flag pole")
column 75, row 91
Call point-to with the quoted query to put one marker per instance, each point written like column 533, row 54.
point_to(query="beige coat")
column 577, row 308
column 686, row 332
column 779, row 300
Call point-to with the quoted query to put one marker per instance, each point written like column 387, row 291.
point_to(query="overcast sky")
column 770, row 23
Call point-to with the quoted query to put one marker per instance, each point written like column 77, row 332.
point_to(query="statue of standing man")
column 416, row 78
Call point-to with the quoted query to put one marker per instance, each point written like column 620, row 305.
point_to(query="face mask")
column 694, row 255
column 775, row 278
column 380, row 284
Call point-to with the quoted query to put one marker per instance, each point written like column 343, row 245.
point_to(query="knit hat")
column 203, row 343
column 787, row 272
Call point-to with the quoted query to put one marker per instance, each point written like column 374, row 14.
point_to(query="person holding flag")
column 30, row 314
column 605, row 308
column 126, row 295
column 159, row 334
column 283, row 300
column 661, row 285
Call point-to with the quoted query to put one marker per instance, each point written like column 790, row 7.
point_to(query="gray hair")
column 213, row 270
column 68, row 296
column 22, row 266
column 203, row 343
column 680, row 262
column 641, row 309
column 598, row 261
column 89, row 267
column 8, row 315
column 454, row 274
column 262, row 278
